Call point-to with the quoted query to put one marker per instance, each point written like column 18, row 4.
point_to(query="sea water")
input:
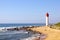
column 21, row 24
column 17, row 35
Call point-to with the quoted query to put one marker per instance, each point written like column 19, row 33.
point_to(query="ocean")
column 18, row 35
column 21, row 24
column 15, row 35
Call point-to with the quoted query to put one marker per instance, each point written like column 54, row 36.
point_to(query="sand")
column 52, row 34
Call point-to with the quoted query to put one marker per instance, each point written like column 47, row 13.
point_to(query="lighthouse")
column 47, row 19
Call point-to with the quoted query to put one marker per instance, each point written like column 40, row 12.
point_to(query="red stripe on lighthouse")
column 47, row 15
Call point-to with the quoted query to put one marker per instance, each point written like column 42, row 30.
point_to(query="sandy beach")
column 52, row 34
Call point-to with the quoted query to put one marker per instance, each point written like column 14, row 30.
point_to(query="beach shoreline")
column 36, row 37
column 52, row 34
column 48, row 33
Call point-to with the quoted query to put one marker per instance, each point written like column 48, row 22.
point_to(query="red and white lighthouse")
column 47, row 19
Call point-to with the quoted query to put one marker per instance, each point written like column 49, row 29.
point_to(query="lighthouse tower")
column 47, row 19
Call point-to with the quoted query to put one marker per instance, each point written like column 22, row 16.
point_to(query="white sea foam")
column 3, row 29
column 33, row 37
column 13, row 32
column 29, row 38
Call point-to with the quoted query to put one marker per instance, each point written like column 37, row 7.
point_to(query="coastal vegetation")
column 56, row 26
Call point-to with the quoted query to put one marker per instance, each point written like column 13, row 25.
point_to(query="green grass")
column 56, row 26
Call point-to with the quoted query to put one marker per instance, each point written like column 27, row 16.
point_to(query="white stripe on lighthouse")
column 47, row 19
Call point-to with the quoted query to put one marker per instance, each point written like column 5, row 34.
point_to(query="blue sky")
column 29, row 11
